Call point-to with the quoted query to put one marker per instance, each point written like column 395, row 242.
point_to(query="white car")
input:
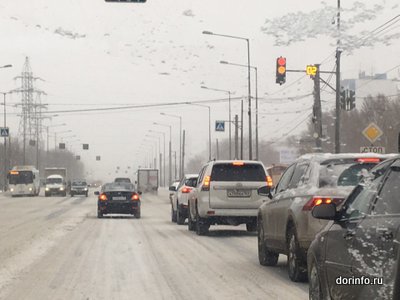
column 180, row 198
column 226, row 193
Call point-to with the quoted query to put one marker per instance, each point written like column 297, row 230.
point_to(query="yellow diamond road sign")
column 372, row 132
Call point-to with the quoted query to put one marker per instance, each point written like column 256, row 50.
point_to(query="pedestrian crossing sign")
column 4, row 132
column 220, row 126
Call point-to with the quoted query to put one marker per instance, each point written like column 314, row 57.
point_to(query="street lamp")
column 255, row 70
column 5, row 141
column 170, row 149
column 163, row 133
column 209, row 126
column 180, row 141
column 229, row 120
column 157, row 137
column 248, row 80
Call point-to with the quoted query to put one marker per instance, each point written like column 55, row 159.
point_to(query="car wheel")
column 202, row 226
column 173, row 214
column 251, row 227
column 137, row 214
column 297, row 268
column 46, row 195
column 180, row 218
column 191, row 223
column 314, row 287
column 72, row 194
column 266, row 257
column 99, row 214
column 87, row 195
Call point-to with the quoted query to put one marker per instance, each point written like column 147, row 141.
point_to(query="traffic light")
column 281, row 70
column 352, row 100
column 343, row 99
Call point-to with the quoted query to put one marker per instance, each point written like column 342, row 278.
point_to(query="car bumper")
column 118, row 207
column 79, row 192
column 210, row 212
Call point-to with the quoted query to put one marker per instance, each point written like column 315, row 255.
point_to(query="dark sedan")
column 356, row 256
column 118, row 198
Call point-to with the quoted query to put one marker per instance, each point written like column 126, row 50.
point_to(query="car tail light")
column 135, row 197
column 369, row 160
column 238, row 163
column 318, row 200
column 186, row 190
column 269, row 181
column 103, row 197
column 206, row 183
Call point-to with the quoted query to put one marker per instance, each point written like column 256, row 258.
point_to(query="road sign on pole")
column 372, row 132
column 220, row 126
column 4, row 131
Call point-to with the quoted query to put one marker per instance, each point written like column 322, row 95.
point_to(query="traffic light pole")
column 317, row 111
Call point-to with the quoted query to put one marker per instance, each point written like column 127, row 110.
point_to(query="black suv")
column 356, row 256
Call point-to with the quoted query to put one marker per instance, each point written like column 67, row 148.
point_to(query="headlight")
column 12, row 190
column 85, row 189
column 61, row 188
column 47, row 189
column 30, row 189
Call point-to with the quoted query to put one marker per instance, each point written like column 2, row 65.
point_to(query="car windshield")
column 54, row 180
column 118, row 186
column 231, row 172
column 21, row 177
column 79, row 183
column 337, row 173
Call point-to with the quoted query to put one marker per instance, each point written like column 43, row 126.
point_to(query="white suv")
column 179, row 202
column 226, row 193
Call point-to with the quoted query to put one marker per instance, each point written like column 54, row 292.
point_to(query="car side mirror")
column 172, row 188
column 264, row 191
column 139, row 192
column 324, row 211
column 97, row 193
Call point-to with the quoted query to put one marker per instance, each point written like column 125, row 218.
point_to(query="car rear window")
column 342, row 173
column 191, row 181
column 245, row 172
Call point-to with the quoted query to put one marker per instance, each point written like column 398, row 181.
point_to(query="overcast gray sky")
column 96, row 54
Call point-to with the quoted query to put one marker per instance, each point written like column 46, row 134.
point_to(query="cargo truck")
column 56, row 181
column 147, row 180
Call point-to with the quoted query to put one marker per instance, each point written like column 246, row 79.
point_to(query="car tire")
column 180, row 218
column 64, row 194
column 297, row 267
column 173, row 214
column 266, row 257
column 191, row 223
column 72, row 194
column 137, row 214
column 314, row 287
column 99, row 214
column 86, row 194
column 202, row 226
column 251, row 226
column 46, row 195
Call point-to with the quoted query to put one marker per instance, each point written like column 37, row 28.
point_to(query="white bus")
column 24, row 181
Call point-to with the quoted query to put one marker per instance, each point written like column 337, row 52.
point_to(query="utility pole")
column 317, row 111
column 236, row 136
column 217, row 149
column 183, row 152
column 338, row 88
column 241, row 131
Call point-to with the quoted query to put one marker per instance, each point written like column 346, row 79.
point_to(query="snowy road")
column 56, row 248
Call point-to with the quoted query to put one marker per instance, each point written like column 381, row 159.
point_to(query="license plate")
column 239, row 193
column 119, row 198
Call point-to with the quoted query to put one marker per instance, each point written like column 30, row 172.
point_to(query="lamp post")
column 180, row 140
column 170, row 150
column 256, row 83
column 229, row 111
column 5, row 138
column 209, row 126
column 163, row 133
column 155, row 137
column 248, row 81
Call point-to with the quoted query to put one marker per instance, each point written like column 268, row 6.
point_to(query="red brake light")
column 369, row 160
column 318, row 200
column 238, row 163
column 135, row 197
column 186, row 190
column 14, row 172
column 103, row 197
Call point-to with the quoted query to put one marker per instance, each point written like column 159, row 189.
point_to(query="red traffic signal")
column 281, row 70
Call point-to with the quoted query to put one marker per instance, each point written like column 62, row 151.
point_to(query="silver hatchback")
column 285, row 223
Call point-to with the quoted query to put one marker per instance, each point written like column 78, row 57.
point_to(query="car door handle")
column 348, row 235
column 385, row 233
